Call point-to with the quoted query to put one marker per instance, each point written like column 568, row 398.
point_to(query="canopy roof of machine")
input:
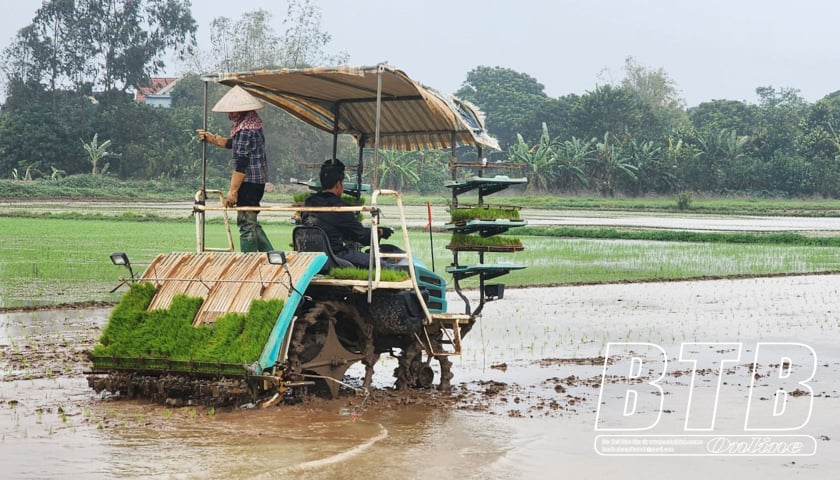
column 343, row 100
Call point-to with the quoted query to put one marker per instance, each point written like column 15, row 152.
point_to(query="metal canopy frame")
column 350, row 100
column 379, row 106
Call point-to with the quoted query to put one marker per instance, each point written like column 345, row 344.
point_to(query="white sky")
column 711, row 49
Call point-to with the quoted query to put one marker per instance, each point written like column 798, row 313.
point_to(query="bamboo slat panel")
column 228, row 282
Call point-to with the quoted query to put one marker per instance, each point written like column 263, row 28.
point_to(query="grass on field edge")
column 86, row 187
column 609, row 233
column 603, row 233
column 572, row 232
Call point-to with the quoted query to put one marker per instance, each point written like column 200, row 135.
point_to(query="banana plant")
column 96, row 152
column 398, row 170
column 654, row 170
column 609, row 163
column 572, row 157
column 539, row 160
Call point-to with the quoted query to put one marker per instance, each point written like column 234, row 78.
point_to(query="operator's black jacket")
column 341, row 227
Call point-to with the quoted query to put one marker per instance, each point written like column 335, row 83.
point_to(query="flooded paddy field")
column 528, row 400
column 417, row 216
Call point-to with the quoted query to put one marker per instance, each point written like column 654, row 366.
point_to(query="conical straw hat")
column 237, row 100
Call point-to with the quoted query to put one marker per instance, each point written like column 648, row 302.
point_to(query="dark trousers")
column 252, row 238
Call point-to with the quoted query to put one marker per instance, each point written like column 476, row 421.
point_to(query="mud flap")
column 282, row 328
column 397, row 312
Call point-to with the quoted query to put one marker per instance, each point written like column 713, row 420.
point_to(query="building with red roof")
column 157, row 93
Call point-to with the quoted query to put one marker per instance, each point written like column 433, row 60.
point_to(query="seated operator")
column 342, row 228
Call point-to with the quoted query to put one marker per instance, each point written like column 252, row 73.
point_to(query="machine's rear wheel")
column 412, row 371
column 327, row 339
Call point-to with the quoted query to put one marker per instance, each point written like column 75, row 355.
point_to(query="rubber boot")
column 248, row 244
column 248, row 239
column 263, row 244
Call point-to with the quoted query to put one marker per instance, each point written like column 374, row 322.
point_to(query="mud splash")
column 523, row 404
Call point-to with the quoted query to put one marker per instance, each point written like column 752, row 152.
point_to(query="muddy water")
column 524, row 405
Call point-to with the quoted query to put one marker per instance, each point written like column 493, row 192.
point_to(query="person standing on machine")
column 250, row 167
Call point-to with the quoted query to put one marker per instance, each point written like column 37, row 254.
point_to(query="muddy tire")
column 328, row 338
column 412, row 371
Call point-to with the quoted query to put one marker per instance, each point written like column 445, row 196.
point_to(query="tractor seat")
column 309, row 238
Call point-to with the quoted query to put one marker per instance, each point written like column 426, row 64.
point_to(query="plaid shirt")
column 249, row 155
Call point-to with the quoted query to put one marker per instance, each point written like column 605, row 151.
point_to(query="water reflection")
column 22, row 327
column 53, row 426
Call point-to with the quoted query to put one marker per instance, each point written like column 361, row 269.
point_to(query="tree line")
column 637, row 137
column 69, row 75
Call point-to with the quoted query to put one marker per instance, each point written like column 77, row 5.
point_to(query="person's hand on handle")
column 236, row 180
column 205, row 136
column 385, row 232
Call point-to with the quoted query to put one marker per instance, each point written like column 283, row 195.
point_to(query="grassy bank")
column 736, row 205
column 50, row 261
column 105, row 187
column 741, row 205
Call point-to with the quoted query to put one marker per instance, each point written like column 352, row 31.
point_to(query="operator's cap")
column 237, row 100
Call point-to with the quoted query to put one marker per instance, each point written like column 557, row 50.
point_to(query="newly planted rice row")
column 54, row 261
